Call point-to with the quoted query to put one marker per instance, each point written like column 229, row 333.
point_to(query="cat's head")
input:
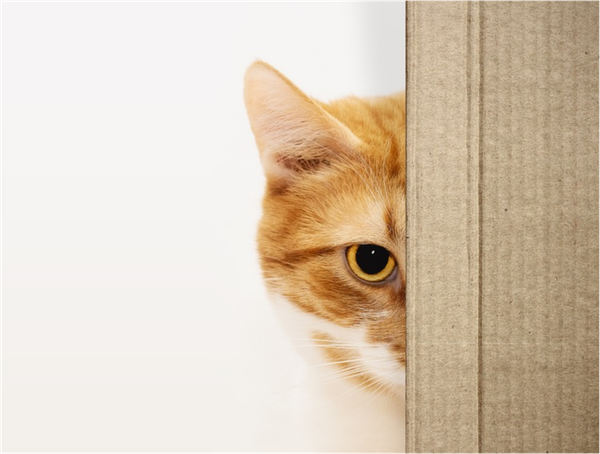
column 332, row 237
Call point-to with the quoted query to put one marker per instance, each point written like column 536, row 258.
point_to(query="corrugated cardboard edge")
column 502, row 227
column 442, row 229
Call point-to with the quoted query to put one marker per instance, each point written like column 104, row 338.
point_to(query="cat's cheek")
column 379, row 360
column 301, row 327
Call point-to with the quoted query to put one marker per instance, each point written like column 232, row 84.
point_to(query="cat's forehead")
column 356, row 206
column 374, row 120
column 370, row 222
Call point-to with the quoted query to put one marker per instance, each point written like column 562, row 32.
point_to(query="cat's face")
column 331, row 240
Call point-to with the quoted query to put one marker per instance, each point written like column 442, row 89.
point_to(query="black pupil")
column 372, row 259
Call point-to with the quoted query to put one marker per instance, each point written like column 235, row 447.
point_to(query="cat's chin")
column 334, row 350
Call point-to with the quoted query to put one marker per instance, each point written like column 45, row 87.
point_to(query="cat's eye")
column 370, row 262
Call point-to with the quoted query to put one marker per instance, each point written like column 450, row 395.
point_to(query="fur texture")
column 335, row 177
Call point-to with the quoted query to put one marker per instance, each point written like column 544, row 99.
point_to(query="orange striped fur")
column 335, row 177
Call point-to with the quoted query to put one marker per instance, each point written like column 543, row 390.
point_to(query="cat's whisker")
column 380, row 389
column 330, row 341
column 359, row 387
column 334, row 347
column 342, row 375
column 341, row 347
column 317, row 341
column 355, row 370
column 331, row 377
column 330, row 185
column 378, row 381
column 343, row 371
column 374, row 386
column 368, row 383
column 356, row 345
column 349, row 361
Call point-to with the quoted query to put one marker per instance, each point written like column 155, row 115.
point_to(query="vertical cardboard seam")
column 480, row 37
column 474, row 82
column 480, row 242
column 443, row 73
column 410, row 390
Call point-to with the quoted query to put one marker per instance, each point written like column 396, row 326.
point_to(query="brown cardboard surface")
column 502, row 276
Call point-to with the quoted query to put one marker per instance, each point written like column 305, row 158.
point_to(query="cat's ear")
column 293, row 133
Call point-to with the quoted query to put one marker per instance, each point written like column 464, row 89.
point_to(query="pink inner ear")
column 293, row 133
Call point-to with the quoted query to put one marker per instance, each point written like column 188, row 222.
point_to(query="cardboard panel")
column 539, row 224
column 442, row 230
column 503, row 227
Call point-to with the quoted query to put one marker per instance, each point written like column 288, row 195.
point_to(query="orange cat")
column 332, row 236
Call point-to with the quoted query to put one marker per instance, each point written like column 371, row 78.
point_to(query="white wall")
column 134, row 317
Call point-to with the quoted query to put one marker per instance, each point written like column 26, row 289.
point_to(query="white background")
column 133, row 314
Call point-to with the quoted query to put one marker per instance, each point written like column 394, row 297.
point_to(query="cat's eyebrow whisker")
column 367, row 185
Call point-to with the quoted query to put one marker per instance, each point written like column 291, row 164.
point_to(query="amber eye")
column 370, row 262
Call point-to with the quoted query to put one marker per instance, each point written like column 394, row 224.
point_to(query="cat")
column 331, row 243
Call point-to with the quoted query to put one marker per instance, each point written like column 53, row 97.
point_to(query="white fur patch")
column 377, row 359
column 334, row 414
